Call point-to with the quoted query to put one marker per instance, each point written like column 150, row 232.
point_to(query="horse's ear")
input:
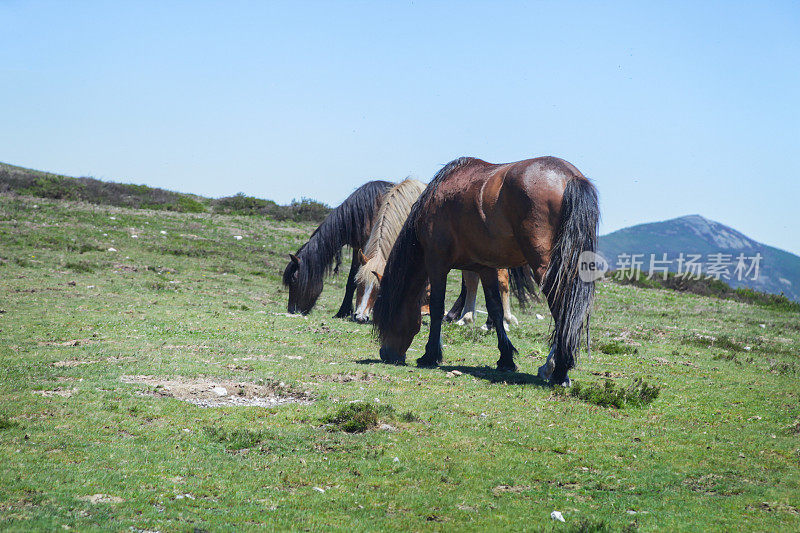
column 362, row 257
column 295, row 259
column 377, row 275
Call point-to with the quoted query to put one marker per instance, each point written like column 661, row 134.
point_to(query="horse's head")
column 304, row 290
column 367, row 287
column 395, row 343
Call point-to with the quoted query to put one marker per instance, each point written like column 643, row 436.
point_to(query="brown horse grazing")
column 394, row 209
column 480, row 216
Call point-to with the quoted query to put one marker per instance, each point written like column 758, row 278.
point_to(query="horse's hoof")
column 566, row 383
column 545, row 373
column 506, row 367
column 427, row 362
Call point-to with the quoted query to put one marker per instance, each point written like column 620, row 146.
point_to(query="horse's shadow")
column 492, row 375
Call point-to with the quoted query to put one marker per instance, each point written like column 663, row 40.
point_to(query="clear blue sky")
column 671, row 108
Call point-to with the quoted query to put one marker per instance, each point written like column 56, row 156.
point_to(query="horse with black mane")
column 348, row 225
column 480, row 216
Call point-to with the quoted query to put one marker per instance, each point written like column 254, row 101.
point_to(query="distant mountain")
column 723, row 251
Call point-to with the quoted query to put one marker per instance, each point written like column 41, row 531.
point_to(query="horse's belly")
column 491, row 250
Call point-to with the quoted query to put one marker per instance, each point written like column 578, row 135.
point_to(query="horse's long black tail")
column 570, row 297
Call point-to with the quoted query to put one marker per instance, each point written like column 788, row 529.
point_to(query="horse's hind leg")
column 471, row 280
column 505, row 293
column 346, row 308
column 433, row 349
column 455, row 312
column 491, row 290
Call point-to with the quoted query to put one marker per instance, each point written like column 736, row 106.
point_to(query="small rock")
column 540, row 317
column 237, row 237
column 457, row 373
column 112, row 218
column 762, row 326
column 220, row 391
column 320, row 490
column 630, row 511
column 396, row 460
column 556, row 515
column 134, row 236
column 387, row 427
column 747, row 348
column 112, row 249
column 101, row 498
column 163, row 232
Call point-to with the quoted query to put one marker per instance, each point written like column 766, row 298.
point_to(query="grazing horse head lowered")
column 349, row 224
column 480, row 216
column 392, row 213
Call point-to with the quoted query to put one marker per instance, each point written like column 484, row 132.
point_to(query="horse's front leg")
column 491, row 290
column 433, row 349
column 346, row 308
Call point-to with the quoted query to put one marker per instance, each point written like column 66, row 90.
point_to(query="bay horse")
column 394, row 209
column 349, row 224
column 480, row 216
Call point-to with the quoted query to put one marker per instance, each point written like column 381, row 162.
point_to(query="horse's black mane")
column 407, row 256
column 344, row 226
column 430, row 190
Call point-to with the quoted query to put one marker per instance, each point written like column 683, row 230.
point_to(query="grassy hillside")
column 96, row 347
column 29, row 182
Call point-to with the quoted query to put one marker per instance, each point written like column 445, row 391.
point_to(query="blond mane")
column 392, row 214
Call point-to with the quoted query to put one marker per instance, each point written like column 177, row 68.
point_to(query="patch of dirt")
column 220, row 393
column 515, row 489
column 58, row 391
column 70, row 363
column 101, row 498
column 609, row 374
column 74, row 342
column 348, row 377
column 120, row 267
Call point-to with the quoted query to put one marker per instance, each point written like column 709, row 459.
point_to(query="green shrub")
column 236, row 439
column 616, row 348
column 358, row 417
column 637, row 394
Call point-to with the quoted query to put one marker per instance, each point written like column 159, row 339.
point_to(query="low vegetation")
column 637, row 394
column 359, row 416
column 684, row 418
column 34, row 183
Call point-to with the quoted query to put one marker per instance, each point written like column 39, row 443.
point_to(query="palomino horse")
column 392, row 213
column 480, row 216
column 394, row 209
column 348, row 225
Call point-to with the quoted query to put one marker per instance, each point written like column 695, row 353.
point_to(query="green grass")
column 471, row 448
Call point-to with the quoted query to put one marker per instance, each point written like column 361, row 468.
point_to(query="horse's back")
column 482, row 212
